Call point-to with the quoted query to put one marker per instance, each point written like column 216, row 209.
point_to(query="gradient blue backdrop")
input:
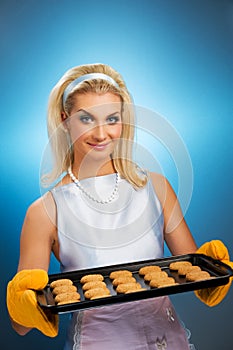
column 176, row 57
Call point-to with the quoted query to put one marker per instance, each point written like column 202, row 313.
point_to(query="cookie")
column 124, row 287
column 148, row 269
column 93, row 284
column 123, row 279
column 197, row 276
column 156, row 283
column 120, row 273
column 90, row 293
column 92, row 277
column 99, row 296
column 174, row 266
column 135, row 290
column 61, row 282
column 68, row 302
column 66, row 288
column 183, row 270
column 155, row 275
column 167, row 284
column 67, row 296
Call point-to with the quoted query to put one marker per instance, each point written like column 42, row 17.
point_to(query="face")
column 95, row 126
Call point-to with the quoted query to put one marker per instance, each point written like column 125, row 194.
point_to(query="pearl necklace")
column 101, row 201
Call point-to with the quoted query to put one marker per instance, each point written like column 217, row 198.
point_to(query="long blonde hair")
column 58, row 137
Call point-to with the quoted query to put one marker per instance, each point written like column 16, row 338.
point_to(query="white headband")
column 82, row 78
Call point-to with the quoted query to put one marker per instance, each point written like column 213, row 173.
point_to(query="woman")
column 105, row 210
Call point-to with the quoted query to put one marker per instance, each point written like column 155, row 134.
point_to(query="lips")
column 99, row 146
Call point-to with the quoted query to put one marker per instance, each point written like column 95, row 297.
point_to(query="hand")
column 217, row 250
column 22, row 303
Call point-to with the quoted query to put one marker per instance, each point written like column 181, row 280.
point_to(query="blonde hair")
column 59, row 139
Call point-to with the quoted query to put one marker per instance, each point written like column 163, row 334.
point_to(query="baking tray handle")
column 220, row 264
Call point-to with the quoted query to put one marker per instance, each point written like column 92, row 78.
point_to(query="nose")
column 99, row 133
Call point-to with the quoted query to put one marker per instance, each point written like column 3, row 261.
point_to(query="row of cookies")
column 156, row 277
column 64, row 291
column 191, row 272
column 94, row 287
column 124, row 282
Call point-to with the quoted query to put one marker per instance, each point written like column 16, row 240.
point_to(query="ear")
column 64, row 118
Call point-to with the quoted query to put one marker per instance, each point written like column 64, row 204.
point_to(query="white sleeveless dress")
column 130, row 228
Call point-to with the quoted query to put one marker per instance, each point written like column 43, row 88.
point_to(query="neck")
column 92, row 169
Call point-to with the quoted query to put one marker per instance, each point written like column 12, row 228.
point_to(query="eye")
column 113, row 119
column 86, row 119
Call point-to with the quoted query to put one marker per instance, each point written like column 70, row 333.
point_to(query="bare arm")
column 38, row 235
column 176, row 232
column 38, row 238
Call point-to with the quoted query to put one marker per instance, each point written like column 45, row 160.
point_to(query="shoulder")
column 157, row 179
column 162, row 188
column 43, row 208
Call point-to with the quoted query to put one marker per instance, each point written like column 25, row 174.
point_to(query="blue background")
column 176, row 58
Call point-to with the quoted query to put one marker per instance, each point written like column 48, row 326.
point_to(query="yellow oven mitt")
column 217, row 250
column 22, row 303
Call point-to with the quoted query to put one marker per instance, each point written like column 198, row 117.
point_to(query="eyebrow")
column 84, row 111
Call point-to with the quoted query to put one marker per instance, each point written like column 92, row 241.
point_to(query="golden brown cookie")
column 123, row 279
column 135, row 290
column 99, row 296
column 120, row 273
column 68, row 302
column 162, row 282
column 183, row 270
column 197, row 275
column 61, row 282
column 67, row 296
column 155, row 275
column 66, row 288
column 90, row 293
column 166, row 284
column 174, row 266
column 123, row 288
column 93, row 284
column 149, row 269
column 91, row 277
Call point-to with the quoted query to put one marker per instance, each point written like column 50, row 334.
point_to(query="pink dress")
column 130, row 228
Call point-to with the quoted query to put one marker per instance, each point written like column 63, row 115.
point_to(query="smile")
column 99, row 147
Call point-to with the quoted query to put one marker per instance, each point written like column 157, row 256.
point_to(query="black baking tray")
column 220, row 272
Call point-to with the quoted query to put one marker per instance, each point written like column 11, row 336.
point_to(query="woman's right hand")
column 22, row 303
column 216, row 250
